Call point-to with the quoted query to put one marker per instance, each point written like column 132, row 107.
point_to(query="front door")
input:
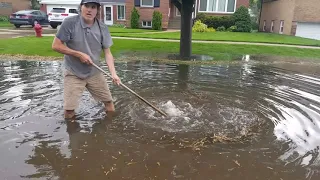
column 108, row 15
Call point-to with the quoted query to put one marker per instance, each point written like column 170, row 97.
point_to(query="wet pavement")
column 22, row 32
column 249, row 120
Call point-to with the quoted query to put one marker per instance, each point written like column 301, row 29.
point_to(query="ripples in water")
column 224, row 100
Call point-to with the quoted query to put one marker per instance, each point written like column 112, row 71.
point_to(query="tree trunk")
column 186, row 29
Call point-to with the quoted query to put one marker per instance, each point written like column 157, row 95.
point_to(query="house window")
column 147, row 3
column 281, row 27
column 121, row 12
column 272, row 26
column 146, row 24
column 264, row 26
column 217, row 6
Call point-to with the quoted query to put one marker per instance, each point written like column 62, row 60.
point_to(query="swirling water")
column 226, row 100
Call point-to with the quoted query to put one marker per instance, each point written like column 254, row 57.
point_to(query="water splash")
column 172, row 110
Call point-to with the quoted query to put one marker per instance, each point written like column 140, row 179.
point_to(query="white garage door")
column 308, row 30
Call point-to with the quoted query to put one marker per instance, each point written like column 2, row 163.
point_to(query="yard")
column 119, row 30
column 257, row 37
column 5, row 24
column 42, row 47
column 229, row 36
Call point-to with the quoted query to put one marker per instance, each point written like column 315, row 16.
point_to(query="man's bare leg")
column 109, row 108
column 69, row 114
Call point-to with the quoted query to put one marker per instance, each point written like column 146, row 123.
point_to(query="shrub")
column 119, row 25
column 221, row 28
column 254, row 25
column 211, row 30
column 4, row 18
column 242, row 20
column 201, row 27
column 157, row 20
column 232, row 28
column 135, row 16
column 202, row 17
column 218, row 21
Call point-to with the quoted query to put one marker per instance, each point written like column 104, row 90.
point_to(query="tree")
column 35, row 4
column 242, row 19
column 135, row 16
column 255, row 7
column 186, row 8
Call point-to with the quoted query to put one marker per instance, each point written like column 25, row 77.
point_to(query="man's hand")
column 110, row 63
column 84, row 58
column 116, row 79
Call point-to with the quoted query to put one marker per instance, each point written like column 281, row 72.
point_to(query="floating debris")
column 235, row 161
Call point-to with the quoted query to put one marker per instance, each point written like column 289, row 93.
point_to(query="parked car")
column 28, row 17
column 57, row 15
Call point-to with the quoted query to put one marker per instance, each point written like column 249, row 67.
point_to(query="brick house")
column 8, row 7
column 171, row 16
column 119, row 11
column 291, row 17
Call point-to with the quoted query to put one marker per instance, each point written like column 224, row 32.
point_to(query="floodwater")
column 247, row 120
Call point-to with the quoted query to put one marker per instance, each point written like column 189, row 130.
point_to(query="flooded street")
column 250, row 120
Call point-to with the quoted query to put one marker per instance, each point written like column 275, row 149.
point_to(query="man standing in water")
column 85, row 37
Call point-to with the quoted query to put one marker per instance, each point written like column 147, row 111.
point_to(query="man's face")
column 89, row 11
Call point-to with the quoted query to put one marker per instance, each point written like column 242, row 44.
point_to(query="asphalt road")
column 23, row 31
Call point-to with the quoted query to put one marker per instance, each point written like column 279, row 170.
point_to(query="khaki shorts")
column 74, row 87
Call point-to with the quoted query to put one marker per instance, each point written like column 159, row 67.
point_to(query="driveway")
column 21, row 32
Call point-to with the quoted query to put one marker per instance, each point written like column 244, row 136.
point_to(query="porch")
column 175, row 16
column 113, row 12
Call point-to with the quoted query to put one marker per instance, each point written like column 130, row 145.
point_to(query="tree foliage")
column 157, row 20
column 242, row 19
column 35, row 4
column 135, row 16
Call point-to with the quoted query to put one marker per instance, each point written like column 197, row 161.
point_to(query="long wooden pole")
column 164, row 114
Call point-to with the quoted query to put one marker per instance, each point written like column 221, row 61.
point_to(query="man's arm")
column 110, row 61
column 64, row 35
column 106, row 44
column 59, row 46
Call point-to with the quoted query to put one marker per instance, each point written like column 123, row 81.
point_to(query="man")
column 85, row 37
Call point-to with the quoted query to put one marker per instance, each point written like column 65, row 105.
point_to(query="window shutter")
column 156, row 3
column 137, row 3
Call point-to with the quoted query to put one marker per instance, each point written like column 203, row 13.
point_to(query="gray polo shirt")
column 78, row 36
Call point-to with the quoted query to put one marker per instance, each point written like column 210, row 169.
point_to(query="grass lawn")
column 5, row 24
column 128, row 30
column 231, row 36
column 42, row 47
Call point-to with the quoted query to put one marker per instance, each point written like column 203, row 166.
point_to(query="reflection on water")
column 277, row 104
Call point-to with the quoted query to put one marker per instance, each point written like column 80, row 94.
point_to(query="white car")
column 57, row 15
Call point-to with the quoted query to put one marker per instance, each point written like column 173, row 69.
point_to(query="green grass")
column 5, row 24
column 231, row 36
column 128, row 30
column 42, row 47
